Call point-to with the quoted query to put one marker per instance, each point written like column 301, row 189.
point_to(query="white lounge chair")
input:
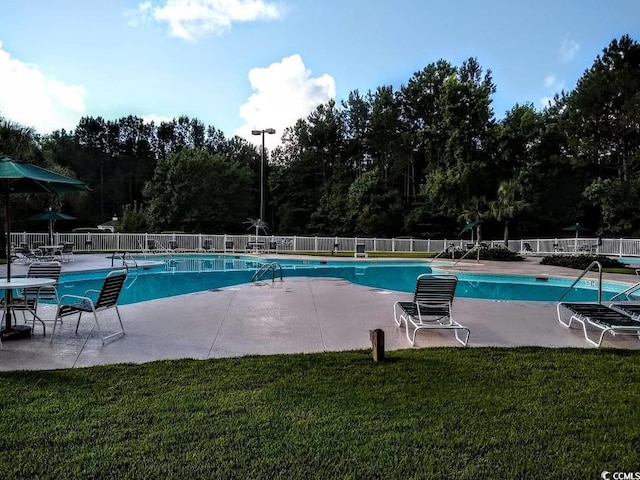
column 431, row 308
column 603, row 318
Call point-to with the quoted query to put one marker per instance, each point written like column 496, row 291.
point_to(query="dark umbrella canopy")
column 575, row 228
column 51, row 216
column 20, row 177
column 469, row 226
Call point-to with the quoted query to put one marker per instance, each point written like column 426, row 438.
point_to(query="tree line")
column 422, row 160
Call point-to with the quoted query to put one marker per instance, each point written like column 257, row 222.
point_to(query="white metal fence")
column 142, row 242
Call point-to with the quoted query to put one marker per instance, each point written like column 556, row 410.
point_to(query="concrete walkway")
column 299, row 314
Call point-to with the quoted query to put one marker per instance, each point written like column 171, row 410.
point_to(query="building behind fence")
column 163, row 242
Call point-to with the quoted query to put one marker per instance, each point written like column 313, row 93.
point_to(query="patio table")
column 12, row 331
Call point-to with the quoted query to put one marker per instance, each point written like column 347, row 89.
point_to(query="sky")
column 243, row 65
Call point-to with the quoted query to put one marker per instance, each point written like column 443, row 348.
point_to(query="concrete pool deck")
column 297, row 315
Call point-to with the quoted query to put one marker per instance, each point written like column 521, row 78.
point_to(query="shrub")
column 497, row 254
column 580, row 262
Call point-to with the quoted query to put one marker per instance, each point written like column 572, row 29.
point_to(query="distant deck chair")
column 27, row 300
column 431, row 308
column 606, row 319
column 106, row 298
column 207, row 244
column 526, row 248
column 25, row 256
column 152, row 244
column 66, row 252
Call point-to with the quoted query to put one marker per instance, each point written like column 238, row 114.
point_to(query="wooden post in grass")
column 377, row 344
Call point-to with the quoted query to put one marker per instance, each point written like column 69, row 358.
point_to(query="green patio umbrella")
column 575, row 228
column 470, row 226
column 20, row 177
column 51, row 216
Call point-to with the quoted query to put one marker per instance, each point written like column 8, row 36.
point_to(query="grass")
column 423, row 413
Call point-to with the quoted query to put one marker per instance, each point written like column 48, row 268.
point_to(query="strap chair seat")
column 632, row 309
column 107, row 298
column 601, row 317
column 431, row 308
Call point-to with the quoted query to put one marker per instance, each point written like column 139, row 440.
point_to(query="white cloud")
column 157, row 119
column 284, row 93
column 28, row 97
column 194, row 19
column 553, row 86
column 568, row 50
column 549, row 80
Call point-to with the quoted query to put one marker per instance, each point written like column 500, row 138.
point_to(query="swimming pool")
column 179, row 276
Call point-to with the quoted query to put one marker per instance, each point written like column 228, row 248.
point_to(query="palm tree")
column 505, row 207
column 17, row 140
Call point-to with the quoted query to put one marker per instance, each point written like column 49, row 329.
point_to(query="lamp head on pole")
column 270, row 131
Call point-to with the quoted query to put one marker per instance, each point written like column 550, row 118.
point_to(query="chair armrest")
column 75, row 297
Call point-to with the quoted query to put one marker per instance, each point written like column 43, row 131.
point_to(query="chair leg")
column 78, row 323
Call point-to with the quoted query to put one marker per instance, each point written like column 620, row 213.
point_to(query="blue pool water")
column 187, row 275
column 631, row 261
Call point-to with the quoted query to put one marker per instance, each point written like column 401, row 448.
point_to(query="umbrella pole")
column 10, row 332
column 7, row 229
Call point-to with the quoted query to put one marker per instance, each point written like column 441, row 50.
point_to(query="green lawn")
column 424, row 413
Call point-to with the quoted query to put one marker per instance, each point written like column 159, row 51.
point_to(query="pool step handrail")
column 127, row 260
column 587, row 270
column 444, row 250
column 476, row 248
column 627, row 292
column 266, row 268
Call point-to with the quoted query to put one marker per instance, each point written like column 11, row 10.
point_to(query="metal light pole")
column 270, row 131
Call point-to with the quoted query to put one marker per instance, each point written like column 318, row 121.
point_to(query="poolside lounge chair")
column 107, row 298
column 601, row 317
column 630, row 308
column 26, row 256
column 430, row 308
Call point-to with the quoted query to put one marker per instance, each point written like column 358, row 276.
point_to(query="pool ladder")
column 128, row 262
column 265, row 269
column 595, row 263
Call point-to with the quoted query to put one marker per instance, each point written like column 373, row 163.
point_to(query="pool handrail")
column 444, row 250
column 587, row 270
column 262, row 271
column 626, row 292
column 474, row 249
